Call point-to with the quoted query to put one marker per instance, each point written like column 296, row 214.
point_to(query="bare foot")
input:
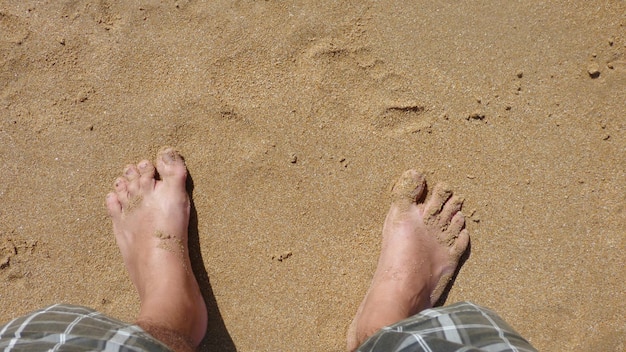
column 422, row 244
column 150, row 216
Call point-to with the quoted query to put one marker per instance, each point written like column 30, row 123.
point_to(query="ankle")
column 172, row 338
column 185, row 315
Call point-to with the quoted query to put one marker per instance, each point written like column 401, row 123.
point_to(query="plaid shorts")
column 458, row 327
column 64, row 327
column 461, row 327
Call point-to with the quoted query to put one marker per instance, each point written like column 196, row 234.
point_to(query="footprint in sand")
column 14, row 30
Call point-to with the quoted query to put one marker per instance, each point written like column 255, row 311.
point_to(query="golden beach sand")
column 294, row 119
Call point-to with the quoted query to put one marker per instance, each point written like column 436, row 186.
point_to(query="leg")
column 421, row 247
column 150, row 217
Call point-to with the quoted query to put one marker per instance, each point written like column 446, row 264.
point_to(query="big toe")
column 171, row 167
column 409, row 188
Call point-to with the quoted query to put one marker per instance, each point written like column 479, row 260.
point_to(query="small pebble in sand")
column 293, row 158
column 520, row 74
column 593, row 70
column 282, row 256
column 476, row 116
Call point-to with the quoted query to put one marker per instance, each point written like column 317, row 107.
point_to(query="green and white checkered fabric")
column 65, row 327
column 461, row 327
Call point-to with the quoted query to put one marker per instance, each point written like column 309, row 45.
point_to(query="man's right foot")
column 150, row 212
column 421, row 247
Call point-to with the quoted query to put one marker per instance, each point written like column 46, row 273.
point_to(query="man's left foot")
column 421, row 247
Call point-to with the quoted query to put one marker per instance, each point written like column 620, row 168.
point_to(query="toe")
column 457, row 224
column 121, row 190
column 434, row 205
column 171, row 167
column 408, row 189
column 131, row 173
column 450, row 208
column 146, row 175
column 460, row 245
column 113, row 205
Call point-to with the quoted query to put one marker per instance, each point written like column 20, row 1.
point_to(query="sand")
column 294, row 119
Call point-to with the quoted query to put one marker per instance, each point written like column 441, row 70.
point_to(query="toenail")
column 129, row 171
column 143, row 164
column 169, row 156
